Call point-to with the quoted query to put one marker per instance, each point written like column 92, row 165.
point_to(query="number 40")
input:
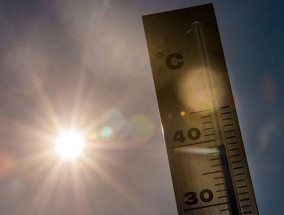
column 192, row 134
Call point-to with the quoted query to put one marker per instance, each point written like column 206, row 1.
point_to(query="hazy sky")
column 84, row 64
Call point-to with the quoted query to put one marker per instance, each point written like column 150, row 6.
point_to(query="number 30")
column 192, row 199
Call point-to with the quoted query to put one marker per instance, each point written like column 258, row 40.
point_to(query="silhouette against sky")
column 84, row 65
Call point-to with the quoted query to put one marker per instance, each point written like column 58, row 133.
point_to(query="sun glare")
column 69, row 145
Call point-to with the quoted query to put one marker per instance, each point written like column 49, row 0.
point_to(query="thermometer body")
column 205, row 149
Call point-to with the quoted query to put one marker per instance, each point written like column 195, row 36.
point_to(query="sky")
column 84, row 65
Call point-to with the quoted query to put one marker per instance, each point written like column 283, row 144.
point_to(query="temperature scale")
column 205, row 149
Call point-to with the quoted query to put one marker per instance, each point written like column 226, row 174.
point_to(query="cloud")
column 265, row 134
column 268, row 89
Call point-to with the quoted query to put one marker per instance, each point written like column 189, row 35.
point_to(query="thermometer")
column 205, row 149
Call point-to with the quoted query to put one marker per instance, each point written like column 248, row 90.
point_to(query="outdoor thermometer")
column 205, row 149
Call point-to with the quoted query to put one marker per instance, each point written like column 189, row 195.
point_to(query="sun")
column 69, row 145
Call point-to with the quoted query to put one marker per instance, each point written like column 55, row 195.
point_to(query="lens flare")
column 106, row 132
column 192, row 90
column 142, row 128
column 194, row 150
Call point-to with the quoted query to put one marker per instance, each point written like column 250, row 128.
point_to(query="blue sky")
column 85, row 64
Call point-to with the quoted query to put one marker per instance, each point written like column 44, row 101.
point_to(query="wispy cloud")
column 265, row 134
column 268, row 89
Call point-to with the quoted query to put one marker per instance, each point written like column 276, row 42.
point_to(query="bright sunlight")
column 69, row 145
